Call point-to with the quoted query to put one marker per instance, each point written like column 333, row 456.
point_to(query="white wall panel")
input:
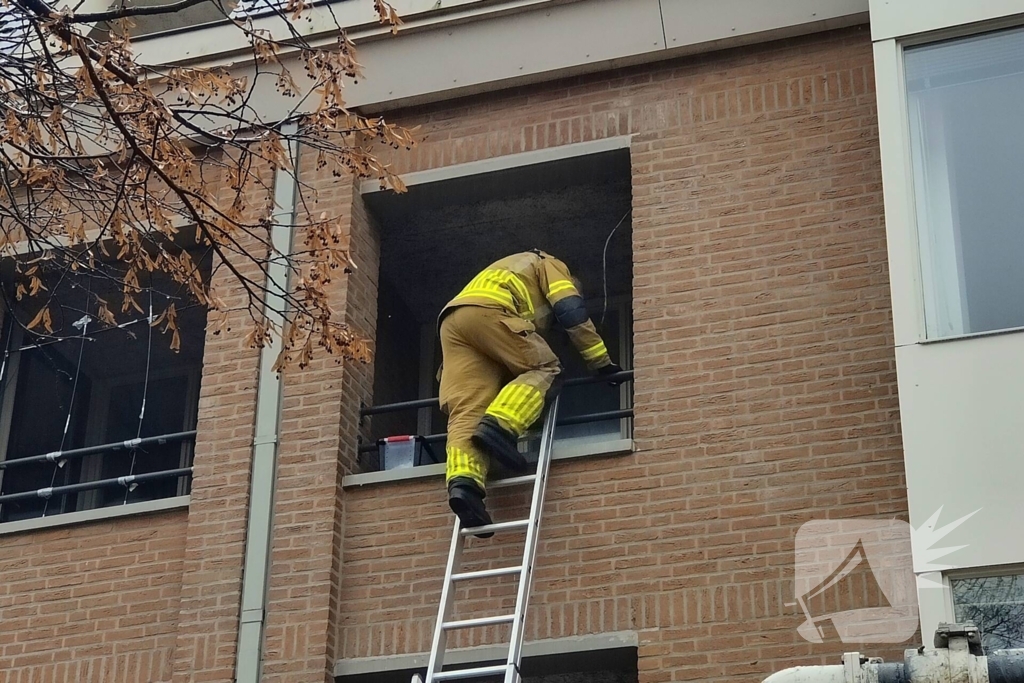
column 898, row 193
column 690, row 22
column 962, row 411
column 507, row 47
column 901, row 18
column 468, row 46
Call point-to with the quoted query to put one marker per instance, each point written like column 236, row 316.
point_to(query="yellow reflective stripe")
column 503, row 287
column 531, row 408
column 502, row 297
column 461, row 463
column 594, row 352
column 519, row 405
column 560, row 286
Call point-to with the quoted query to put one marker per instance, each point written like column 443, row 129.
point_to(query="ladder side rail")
column 530, row 547
column 437, row 649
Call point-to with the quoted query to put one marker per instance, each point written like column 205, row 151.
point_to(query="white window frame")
column 972, row 573
column 908, row 252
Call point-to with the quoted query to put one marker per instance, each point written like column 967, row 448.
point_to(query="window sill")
column 971, row 335
column 573, row 645
column 69, row 518
column 563, row 451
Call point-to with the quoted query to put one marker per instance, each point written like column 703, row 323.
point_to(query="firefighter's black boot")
column 467, row 501
column 499, row 443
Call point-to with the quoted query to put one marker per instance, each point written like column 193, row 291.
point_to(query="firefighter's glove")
column 611, row 369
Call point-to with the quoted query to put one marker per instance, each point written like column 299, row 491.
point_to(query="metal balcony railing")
column 625, row 375
column 70, row 454
column 126, row 481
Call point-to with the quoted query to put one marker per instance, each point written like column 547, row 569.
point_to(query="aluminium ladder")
column 510, row 669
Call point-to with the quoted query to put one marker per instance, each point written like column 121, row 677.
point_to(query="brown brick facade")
column 765, row 396
column 96, row 603
column 765, row 392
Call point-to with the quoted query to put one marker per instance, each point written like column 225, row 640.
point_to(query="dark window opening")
column 616, row 665
column 83, row 385
column 437, row 236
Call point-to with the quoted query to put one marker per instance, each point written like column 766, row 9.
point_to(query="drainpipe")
column 258, row 533
column 957, row 657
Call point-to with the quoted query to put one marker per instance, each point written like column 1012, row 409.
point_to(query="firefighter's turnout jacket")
column 494, row 360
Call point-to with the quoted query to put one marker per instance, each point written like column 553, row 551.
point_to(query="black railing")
column 625, row 375
column 367, row 411
column 102, row 448
column 126, row 481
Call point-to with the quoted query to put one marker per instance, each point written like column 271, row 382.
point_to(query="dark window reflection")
column 996, row 605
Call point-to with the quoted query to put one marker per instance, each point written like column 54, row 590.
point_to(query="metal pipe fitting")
column 957, row 657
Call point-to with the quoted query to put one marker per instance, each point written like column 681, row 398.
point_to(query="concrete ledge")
column 507, row 161
column 563, row 451
column 489, row 653
column 69, row 518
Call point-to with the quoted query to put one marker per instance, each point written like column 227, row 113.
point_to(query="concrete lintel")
column 507, row 161
column 487, row 653
column 563, row 451
column 146, row 507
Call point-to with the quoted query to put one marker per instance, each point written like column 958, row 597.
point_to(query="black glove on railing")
column 611, row 369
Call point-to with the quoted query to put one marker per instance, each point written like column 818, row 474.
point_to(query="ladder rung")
column 513, row 481
column 487, row 573
column 471, row 673
column 482, row 621
column 500, row 526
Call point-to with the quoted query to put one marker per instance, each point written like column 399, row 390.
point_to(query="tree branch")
column 125, row 12
column 40, row 10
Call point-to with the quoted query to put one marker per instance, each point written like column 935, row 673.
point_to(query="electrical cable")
column 604, row 265
column 145, row 391
column 7, row 356
column 57, row 464
column 3, row 385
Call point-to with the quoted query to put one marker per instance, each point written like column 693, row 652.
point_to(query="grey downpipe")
column 258, row 533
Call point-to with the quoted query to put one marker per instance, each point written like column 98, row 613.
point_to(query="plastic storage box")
column 397, row 452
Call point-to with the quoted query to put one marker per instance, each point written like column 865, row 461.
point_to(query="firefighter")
column 497, row 370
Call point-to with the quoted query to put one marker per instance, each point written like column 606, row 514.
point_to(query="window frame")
column 973, row 573
column 904, row 227
column 92, row 465
column 88, row 505
column 563, row 448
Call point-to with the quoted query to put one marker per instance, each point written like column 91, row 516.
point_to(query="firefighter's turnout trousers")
column 494, row 364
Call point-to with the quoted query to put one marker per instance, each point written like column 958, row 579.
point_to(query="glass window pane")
column 965, row 99
column 996, row 605
column 87, row 386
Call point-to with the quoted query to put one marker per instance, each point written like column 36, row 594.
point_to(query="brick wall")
column 765, row 391
column 156, row 597
column 319, row 425
column 96, row 603
column 212, row 580
column 765, row 396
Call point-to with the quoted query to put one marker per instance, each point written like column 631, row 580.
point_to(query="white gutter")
column 258, row 533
